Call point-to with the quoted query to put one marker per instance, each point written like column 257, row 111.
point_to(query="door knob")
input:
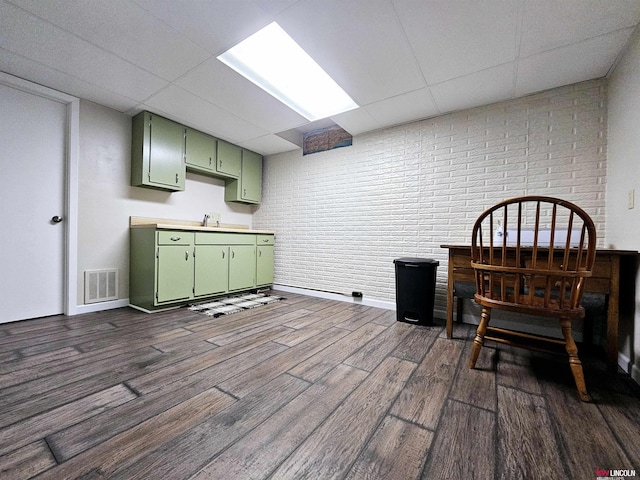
column 56, row 219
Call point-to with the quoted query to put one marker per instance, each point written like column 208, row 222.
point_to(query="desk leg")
column 612, row 314
column 450, row 296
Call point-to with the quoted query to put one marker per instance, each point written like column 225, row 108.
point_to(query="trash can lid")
column 416, row 261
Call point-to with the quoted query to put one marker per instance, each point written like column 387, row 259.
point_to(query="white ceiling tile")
column 132, row 34
column 215, row 25
column 274, row 7
column 576, row 63
column 222, row 86
column 269, row 144
column 44, row 75
column 159, row 55
column 356, row 121
column 186, row 108
column 547, row 25
column 455, row 38
column 42, row 42
column 359, row 43
column 404, row 108
column 481, row 88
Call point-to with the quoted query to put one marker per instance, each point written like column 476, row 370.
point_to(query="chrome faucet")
column 205, row 222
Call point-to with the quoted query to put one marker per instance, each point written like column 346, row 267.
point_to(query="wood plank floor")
column 302, row 388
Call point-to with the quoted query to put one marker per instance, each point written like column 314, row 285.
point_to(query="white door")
column 32, row 162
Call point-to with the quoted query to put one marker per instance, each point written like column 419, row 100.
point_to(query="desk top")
column 601, row 250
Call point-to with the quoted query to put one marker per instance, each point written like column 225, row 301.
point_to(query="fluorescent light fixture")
column 272, row 60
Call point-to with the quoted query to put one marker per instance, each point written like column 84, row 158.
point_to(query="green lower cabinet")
column 211, row 274
column 264, row 265
column 172, row 267
column 242, row 267
column 175, row 273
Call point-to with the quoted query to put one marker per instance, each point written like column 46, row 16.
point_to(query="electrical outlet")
column 630, row 199
column 214, row 218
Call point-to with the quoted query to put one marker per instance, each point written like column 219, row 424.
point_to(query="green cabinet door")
column 242, row 267
column 211, row 270
column 157, row 152
column 264, row 265
column 174, row 273
column 229, row 160
column 248, row 188
column 251, row 178
column 200, row 151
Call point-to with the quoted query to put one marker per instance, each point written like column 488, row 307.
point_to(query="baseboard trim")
column 628, row 366
column 369, row 302
column 98, row 307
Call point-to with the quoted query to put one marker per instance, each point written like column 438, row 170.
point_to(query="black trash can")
column 415, row 289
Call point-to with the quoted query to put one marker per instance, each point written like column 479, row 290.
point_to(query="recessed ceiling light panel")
column 271, row 59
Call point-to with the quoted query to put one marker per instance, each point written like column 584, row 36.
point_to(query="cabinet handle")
column 176, row 178
column 259, row 253
column 233, row 254
column 265, row 239
column 222, row 253
column 209, row 161
column 245, row 192
column 220, row 161
column 186, row 255
column 174, row 239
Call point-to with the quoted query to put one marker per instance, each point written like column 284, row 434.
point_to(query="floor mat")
column 229, row 305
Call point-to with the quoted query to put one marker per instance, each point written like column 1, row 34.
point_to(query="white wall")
column 623, row 224
column 343, row 216
column 106, row 199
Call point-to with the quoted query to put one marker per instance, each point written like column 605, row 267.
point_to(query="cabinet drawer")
column 175, row 238
column 265, row 239
column 213, row 238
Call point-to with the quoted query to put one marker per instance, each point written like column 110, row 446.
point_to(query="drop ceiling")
column 400, row 60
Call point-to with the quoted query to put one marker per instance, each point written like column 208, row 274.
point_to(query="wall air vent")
column 100, row 285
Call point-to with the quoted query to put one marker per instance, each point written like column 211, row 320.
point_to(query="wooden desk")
column 605, row 279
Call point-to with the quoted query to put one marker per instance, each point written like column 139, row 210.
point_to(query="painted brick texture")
column 344, row 215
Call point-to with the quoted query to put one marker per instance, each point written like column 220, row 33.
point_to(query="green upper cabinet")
column 251, row 176
column 157, row 152
column 200, row 152
column 162, row 151
column 211, row 156
column 248, row 188
column 229, row 160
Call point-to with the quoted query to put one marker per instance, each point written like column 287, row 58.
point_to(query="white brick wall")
column 343, row 216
